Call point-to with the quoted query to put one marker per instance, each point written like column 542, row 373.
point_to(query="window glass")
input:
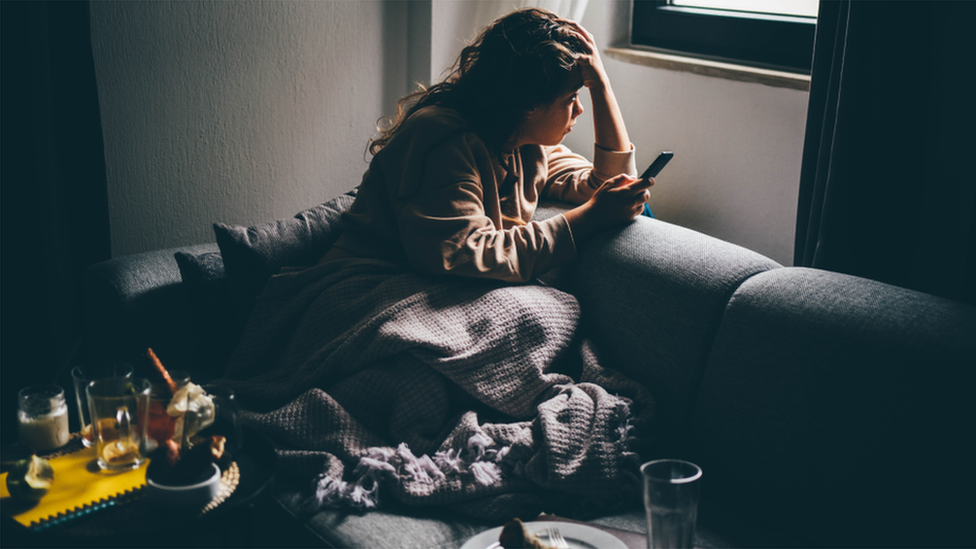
column 776, row 34
column 801, row 8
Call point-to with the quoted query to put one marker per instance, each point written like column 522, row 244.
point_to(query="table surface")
column 139, row 523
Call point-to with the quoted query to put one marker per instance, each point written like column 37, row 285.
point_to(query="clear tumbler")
column 671, row 491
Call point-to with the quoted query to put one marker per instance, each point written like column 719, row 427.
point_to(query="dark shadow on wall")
column 54, row 199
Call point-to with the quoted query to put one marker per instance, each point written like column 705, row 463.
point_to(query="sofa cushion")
column 841, row 409
column 396, row 527
column 254, row 254
column 402, row 527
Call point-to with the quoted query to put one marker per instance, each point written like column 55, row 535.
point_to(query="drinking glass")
column 120, row 418
column 165, row 414
column 671, row 491
column 84, row 374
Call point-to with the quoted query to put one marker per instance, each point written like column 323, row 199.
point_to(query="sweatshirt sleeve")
column 571, row 178
column 447, row 229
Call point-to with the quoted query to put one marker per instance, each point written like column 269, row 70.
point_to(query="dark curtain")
column 888, row 186
column 54, row 201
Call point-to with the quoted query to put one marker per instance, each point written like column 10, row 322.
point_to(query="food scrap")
column 30, row 479
column 515, row 536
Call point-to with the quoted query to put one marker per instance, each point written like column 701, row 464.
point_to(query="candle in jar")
column 42, row 417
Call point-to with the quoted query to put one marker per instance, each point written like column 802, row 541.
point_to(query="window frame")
column 781, row 42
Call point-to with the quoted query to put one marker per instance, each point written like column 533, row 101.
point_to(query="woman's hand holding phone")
column 620, row 199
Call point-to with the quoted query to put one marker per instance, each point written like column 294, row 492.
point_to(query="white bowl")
column 191, row 496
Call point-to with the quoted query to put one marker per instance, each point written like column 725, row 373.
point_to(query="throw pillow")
column 216, row 323
column 254, row 254
column 202, row 271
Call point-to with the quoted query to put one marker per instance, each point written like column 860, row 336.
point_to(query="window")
column 765, row 33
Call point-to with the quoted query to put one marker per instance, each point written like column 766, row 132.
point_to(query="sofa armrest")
column 652, row 295
column 137, row 301
column 841, row 409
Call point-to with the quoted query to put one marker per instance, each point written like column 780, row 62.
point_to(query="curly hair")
column 521, row 61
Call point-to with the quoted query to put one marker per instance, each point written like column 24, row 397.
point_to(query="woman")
column 454, row 182
column 452, row 390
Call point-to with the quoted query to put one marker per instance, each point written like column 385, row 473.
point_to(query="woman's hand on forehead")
column 585, row 36
column 590, row 64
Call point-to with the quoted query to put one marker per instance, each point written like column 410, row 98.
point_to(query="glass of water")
column 671, row 491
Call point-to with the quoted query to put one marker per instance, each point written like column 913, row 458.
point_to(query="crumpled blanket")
column 374, row 381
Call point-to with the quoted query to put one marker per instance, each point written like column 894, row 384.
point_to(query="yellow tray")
column 79, row 485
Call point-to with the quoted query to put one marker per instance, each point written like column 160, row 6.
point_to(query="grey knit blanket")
column 375, row 382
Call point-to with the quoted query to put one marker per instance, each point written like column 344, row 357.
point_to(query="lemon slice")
column 30, row 479
column 120, row 451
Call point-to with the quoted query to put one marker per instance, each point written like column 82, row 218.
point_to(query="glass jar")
column 42, row 417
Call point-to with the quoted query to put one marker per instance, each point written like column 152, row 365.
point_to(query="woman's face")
column 549, row 124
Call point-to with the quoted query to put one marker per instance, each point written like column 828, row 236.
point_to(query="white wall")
column 239, row 112
column 738, row 146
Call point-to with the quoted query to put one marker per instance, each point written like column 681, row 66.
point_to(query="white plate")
column 579, row 536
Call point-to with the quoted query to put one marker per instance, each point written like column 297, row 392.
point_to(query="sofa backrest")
column 841, row 409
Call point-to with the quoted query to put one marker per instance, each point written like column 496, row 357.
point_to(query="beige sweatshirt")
column 434, row 197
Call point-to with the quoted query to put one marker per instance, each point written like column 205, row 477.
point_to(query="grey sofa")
column 824, row 409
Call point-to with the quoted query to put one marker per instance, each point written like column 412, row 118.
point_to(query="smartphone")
column 655, row 168
column 659, row 163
